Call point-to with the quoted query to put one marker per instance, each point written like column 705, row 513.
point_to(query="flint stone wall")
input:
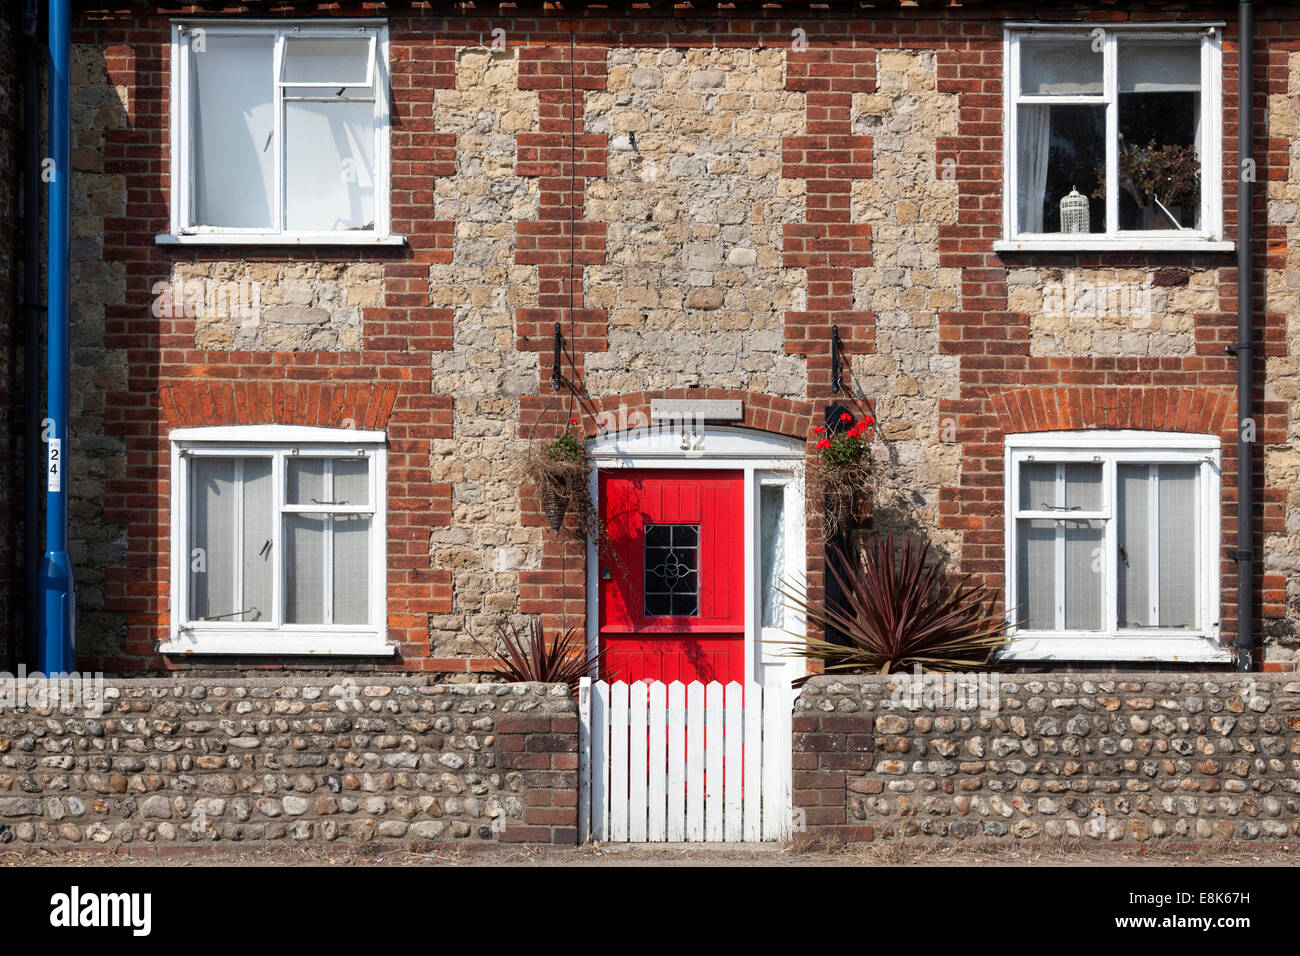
column 289, row 760
column 1090, row 758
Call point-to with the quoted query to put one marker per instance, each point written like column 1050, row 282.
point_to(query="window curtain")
column 215, row 568
column 772, row 503
column 1177, row 537
column 1085, row 567
column 212, row 544
column 304, row 569
column 258, row 559
column 1033, row 143
column 1134, row 506
column 1036, row 584
column 351, row 569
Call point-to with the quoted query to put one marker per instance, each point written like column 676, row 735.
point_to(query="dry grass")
column 901, row 851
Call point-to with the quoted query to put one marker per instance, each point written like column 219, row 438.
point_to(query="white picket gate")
column 684, row 763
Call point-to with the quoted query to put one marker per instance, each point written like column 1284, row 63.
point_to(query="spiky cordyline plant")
column 530, row 658
column 897, row 613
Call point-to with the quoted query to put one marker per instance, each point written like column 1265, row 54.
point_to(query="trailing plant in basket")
column 841, row 470
column 899, row 611
column 559, row 469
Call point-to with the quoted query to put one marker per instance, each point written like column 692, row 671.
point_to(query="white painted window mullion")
column 1110, row 543
column 1204, row 141
column 279, row 475
column 191, row 533
column 1010, row 111
column 1060, row 549
column 281, row 154
column 327, row 574
column 237, row 537
column 183, row 169
column 1153, row 544
column 1110, row 87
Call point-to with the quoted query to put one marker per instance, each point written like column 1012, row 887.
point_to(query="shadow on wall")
column 99, row 302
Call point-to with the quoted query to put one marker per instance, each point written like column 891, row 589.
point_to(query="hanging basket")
column 839, row 512
column 555, row 504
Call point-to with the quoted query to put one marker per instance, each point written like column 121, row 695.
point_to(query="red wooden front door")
column 672, row 594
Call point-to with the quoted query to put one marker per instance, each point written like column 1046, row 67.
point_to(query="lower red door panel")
column 672, row 582
column 668, row 659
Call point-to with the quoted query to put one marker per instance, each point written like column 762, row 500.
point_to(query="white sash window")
column 278, row 543
column 279, row 133
column 1113, row 546
column 1125, row 121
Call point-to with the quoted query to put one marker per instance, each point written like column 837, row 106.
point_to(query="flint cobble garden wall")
column 1103, row 758
column 284, row 760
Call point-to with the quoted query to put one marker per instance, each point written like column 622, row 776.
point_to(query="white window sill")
column 279, row 239
column 1119, row 244
column 1191, row 649
column 319, row 644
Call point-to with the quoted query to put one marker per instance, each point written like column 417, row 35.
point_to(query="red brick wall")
column 832, row 753
column 1002, row 386
column 544, row 749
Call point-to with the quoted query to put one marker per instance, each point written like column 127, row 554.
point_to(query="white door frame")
column 765, row 458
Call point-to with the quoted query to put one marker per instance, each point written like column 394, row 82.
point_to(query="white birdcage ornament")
column 1074, row 212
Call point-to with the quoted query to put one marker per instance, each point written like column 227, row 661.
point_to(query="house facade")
column 337, row 268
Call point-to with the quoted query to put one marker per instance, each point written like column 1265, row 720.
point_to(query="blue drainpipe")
column 57, row 651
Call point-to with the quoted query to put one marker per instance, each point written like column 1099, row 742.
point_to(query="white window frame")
column 1111, row 448
column 1207, row 238
column 279, row 442
column 185, row 233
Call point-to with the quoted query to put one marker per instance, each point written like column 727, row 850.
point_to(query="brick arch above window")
column 198, row 403
column 1070, row 408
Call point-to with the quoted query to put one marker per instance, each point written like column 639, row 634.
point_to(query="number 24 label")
column 55, row 468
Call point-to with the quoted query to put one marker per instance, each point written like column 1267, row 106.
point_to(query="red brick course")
column 832, row 753
column 544, row 750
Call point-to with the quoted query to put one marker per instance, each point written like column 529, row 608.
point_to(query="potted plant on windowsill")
column 559, row 470
column 840, row 472
column 1163, row 181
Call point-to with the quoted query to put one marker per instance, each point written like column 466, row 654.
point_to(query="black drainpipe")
column 33, row 60
column 1243, row 349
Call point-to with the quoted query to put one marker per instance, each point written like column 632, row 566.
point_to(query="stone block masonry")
column 174, row 763
column 1105, row 758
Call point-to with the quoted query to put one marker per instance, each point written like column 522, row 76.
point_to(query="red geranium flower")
column 824, row 443
column 573, row 421
column 819, row 430
column 846, row 417
column 866, row 422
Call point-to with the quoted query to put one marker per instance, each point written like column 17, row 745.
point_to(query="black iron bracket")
column 837, row 380
column 1242, row 555
column 831, row 418
column 1238, row 347
column 557, row 376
